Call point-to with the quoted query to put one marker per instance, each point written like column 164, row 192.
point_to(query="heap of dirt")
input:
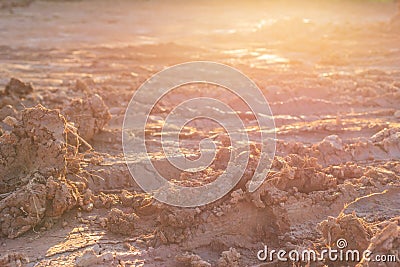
column 7, row 111
column 383, row 145
column 37, row 143
column 379, row 238
column 89, row 115
column 35, row 159
column 349, row 227
column 17, row 87
column 191, row 259
column 385, row 242
column 232, row 222
column 303, row 173
column 120, row 222
column 15, row 91
column 175, row 224
column 14, row 259
column 229, row 258
column 91, row 258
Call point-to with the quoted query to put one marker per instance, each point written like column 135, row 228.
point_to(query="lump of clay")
column 89, row 115
column 33, row 165
column 14, row 259
column 14, row 91
column 7, row 111
column 120, row 222
column 304, row 173
column 91, row 258
column 331, row 150
column 229, row 258
column 175, row 224
column 385, row 242
column 18, row 88
column 350, row 227
column 36, row 144
column 389, row 140
column 193, row 260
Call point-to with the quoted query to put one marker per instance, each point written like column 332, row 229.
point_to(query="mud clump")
column 192, row 260
column 142, row 203
column 14, row 92
column 34, row 159
column 22, row 210
column 18, row 88
column 229, row 258
column 36, row 144
column 349, row 227
column 380, row 239
column 102, row 200
column 303, row 173
column 119, row 222
column 89, row 115
column 7, row 111
column 330, row 149
column 385, row 242
column 91, row 258
column 389, row 140
column 14, row 259
column 175, row 224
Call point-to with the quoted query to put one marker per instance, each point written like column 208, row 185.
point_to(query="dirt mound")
column 14, row 259
column 35, row 158
column 379, row 238
column 191, row 259
column 15, row 91
column 7, row 111
column 383, row 145
column 229, row 258
column 349, row 227
column 385, row 242
column 175, row 224
column 91, row 258
column 303, row 173
column 89, row 115
column 18, row 88
column 38, row 143
column 120, row 222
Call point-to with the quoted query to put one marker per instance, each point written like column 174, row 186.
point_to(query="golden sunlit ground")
column 329, row 69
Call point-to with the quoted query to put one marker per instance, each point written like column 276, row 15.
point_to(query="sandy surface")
column 330, row 72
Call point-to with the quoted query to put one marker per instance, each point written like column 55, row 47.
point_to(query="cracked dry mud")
column 66, row 195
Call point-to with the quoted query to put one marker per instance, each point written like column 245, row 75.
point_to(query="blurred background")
column 204, row 23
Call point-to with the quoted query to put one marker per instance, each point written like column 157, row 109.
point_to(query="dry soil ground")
column 330, row 71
